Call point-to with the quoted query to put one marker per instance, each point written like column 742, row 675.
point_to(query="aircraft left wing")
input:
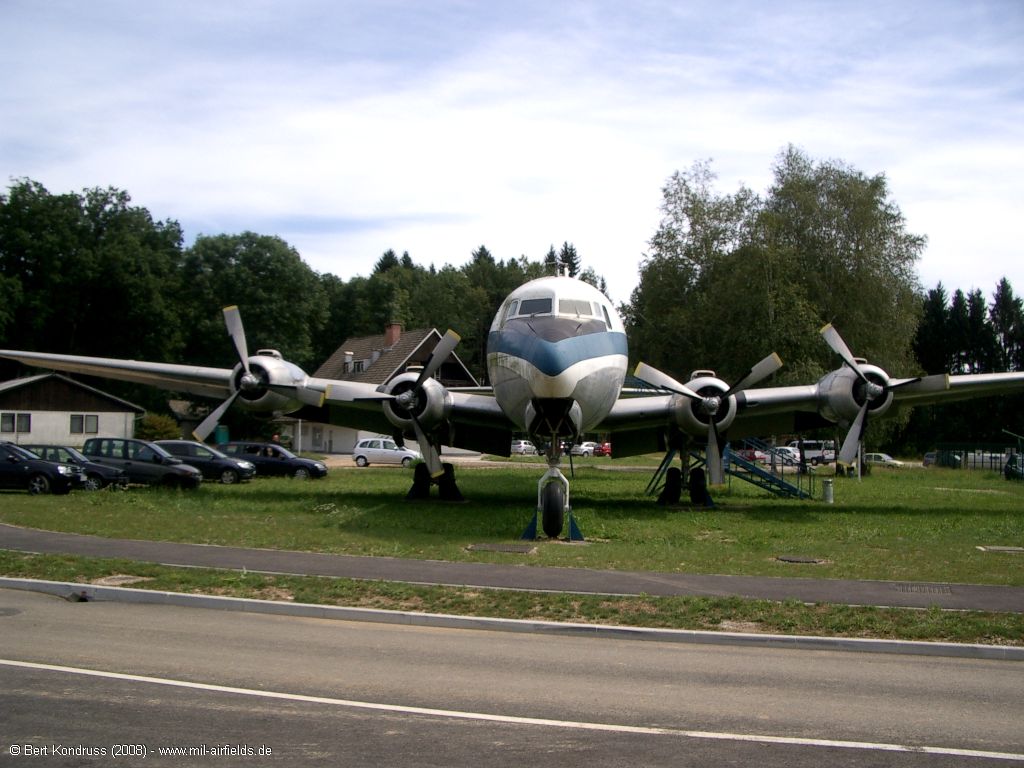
column 196, row 380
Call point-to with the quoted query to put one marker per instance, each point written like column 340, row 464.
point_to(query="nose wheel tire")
column 553, row 509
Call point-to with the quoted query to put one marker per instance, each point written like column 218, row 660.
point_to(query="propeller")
column 710, row 404
column 872, row 392
column 247, row 383
column 407, row 400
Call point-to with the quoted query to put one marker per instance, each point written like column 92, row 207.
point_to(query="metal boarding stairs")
column 774, row 475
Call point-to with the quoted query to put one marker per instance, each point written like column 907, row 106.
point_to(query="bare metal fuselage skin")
column 556, row 357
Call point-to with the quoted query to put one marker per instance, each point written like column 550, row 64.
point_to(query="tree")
column 1007, row 318
column 964, row 336
column 932, row 342
column 89, row 273
column 551, row 263
column 850, row 253
column 569, row 259
column 281, row 299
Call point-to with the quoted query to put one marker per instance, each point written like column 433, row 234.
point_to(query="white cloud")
column 351, row 128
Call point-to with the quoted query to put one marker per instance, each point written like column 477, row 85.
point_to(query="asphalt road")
column 980, row 597
column 301, row 691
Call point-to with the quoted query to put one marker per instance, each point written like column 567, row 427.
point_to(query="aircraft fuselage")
column 556, row 357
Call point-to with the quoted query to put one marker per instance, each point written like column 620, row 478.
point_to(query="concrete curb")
column 94, row 593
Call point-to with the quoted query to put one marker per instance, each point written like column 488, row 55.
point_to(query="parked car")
column 751, row 454
column 817, row 451
column 381, row 450
column 145, row 462
column 944, row 458
column 523, row 448
column 273, row 460
column 22, row 469
column 1012, row 470
column 584, row 449
column 95, row 475
column 881, row 460
column 786, row 454
column 214, row 464
column 603, row 449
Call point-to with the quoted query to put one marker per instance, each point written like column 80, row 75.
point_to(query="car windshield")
column 76, row 454
column 21, row 452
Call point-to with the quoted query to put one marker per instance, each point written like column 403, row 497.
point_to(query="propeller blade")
column 430, row 456
column 656, row 378
column 209, row 424
column 848, row 453
column 441, row 352
column 835, row 341
column 713, row 457
column 762, row 370
column 233, row 321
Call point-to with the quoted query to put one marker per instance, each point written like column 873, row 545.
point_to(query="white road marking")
column 513, row 720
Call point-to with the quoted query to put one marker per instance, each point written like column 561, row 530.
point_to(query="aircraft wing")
column 636, row 421
column 474, row 419
column 196, row 380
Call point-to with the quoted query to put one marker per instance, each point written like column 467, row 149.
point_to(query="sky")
column 350, row 127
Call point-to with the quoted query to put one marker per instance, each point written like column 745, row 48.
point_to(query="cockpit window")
column 510, row 310
column 574, row 307
column 535, row 307
column 607, row 319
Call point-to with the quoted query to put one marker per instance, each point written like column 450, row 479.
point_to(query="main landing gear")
column 553, row 504
column 447, row 489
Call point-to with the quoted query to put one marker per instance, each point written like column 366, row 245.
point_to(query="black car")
column 22, row 469
column 144, row 462
column 273, row 459
column 214, row 464
column 95, row 475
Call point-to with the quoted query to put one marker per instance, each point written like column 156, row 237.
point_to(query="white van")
column 817, row 451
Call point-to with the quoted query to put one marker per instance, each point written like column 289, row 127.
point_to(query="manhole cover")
column 924, row 589
column 514, row 549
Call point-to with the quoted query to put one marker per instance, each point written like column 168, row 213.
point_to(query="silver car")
column 383, row 450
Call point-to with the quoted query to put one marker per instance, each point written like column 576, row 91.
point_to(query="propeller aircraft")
column 557, row 359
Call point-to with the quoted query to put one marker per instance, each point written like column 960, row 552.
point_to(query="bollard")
column 826, row 491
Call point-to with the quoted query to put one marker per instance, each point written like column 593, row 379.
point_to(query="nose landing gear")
column 553, row 505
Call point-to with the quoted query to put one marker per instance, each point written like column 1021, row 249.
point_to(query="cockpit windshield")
column 535, row 307
column 593, row 313
column 575, row 307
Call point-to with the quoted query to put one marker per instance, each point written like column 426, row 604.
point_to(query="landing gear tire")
column 553, row 509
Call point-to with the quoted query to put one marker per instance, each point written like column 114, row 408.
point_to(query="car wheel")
column 361, row 461
column 38, row 484
column 229, row 477
column 301, row 474
column 407, row 462
column 93, row 482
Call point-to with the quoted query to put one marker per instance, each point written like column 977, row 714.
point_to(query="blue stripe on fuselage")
column 553, row 357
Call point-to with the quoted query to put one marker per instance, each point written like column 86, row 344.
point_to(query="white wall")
column 54, row 428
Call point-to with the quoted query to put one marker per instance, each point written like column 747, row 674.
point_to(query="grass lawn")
column 906, row 525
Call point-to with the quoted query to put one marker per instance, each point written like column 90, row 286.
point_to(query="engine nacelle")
column 842, row 393
column 695, row 416
column 268, row 369
column 430, row 403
